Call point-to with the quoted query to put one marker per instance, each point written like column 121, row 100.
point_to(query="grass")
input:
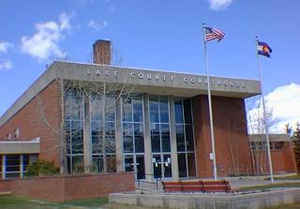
column 292, row 177
column 13, row 202
column 270, row 186
column 292, row 206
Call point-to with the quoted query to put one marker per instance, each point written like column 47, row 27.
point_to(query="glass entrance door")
column 135, row 163
column 160, row 137
column 162, row 166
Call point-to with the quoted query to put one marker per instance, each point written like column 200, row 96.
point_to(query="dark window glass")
column 167, row 166
column 165, row 136
column 77, row 137
column 12, row 163
column 164, row 110
column 189, row 137
column 178, row 112
column 182, row 165
column 25, row 162
column 154, row 113
column 138, row 111
column 155, row 138
column 139, row 138
column 129, row 163
column 127, row 137
column 140, row 167
column 180, row 138
column 187, row 111
column 157, row 166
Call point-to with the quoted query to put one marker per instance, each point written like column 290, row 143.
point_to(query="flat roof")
column 143, row 80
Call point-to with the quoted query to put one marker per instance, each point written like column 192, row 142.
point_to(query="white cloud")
column 44, row 43
column 97, row 25
column 4, row 46
column 284, row 105
column 219, row 4
column 5, row 65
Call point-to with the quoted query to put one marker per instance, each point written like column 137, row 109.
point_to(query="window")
column 12, row 163
column 160, row 136
column 184, row 138
column 74, row 111
column 103, row 133
column 133, row 135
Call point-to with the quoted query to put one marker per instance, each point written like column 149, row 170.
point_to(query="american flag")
column 213, row 33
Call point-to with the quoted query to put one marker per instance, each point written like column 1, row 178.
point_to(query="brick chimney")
column 102, row 52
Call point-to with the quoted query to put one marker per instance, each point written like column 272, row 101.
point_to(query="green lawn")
column 270, row 186
column 13, row 202
column 293, row 206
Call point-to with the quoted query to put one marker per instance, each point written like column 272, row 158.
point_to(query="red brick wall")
column 63, row 188
column 31, row 123
column 283, row 160
column 232, row 150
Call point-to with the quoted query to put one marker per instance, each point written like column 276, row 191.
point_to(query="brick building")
column 103, row 118
column 282, row 153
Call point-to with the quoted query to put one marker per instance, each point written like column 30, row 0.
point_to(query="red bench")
column 197, row 186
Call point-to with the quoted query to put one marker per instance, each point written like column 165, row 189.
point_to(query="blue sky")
column 152, row 34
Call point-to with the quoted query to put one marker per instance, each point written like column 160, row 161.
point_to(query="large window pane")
column 157, row 166
column 164, row 110
column 189, row 137
column 187, row 111
column 128, row 137
column 129, row 163
column 154, row 114
column 138, row 111
column 165, row 136
column 180, row 138
column 178, row 112
column 155, row 138
column 139, row 138
column 182, row 165
column 167, row 166
column 140, row 166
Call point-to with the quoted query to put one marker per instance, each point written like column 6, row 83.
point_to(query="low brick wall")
column 63, row 188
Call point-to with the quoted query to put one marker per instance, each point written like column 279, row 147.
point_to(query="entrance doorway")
column 135, row 163
column 162, row 166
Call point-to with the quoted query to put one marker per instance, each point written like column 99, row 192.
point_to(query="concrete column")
column 119, row 138
column 147, row 140
column 175, row 173
column 87, row 142
column 21, row 167
column 3, row 166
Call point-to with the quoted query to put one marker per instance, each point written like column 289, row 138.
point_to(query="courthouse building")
column 103, row 118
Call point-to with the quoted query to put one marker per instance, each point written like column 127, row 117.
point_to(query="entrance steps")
column 148, row 186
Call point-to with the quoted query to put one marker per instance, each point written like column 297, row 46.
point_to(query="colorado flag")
column 263, row 49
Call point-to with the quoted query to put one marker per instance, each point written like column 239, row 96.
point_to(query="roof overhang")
column 143, row 81
column 20, row 147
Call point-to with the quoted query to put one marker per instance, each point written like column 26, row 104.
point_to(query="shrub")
column 42, row 168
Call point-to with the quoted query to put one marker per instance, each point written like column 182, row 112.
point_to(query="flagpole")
column 212, row 136
column 264, row 113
